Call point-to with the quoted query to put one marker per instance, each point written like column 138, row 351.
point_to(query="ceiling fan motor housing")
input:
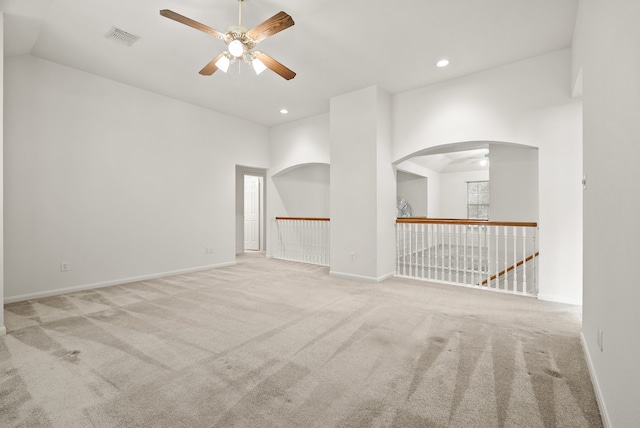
column 239, row 33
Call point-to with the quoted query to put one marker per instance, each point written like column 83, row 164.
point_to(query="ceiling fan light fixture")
column 223, row 63
column 258, row 66
column 240, row 42
column 236, row 48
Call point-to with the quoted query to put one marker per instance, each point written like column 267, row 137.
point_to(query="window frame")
column 482, row 205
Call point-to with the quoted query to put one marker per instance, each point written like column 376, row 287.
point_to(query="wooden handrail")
column 510, row 268
column 304, row 218
column 423, row 220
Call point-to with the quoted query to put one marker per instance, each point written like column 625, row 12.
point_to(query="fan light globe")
column 258, row 66
column 223, row 63
column 236, row 48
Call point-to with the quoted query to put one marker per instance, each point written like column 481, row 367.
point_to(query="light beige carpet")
column 269, row 343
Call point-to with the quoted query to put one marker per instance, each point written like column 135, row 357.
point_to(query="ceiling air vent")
column 121, row 36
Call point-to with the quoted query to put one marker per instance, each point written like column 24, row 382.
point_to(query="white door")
column 252, row 212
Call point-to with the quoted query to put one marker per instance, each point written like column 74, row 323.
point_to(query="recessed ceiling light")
column 442, row 63
column 284, row 111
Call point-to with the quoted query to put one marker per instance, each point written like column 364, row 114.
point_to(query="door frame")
column 241, row 171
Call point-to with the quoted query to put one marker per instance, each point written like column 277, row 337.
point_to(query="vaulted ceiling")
column 335, row 46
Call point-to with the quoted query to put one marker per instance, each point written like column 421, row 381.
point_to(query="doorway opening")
column 250, row 209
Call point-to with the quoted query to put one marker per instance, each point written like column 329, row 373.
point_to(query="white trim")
column 360, row 277
column 3, row 331
column 594, row 380
column 559, row 299
column 121, row 281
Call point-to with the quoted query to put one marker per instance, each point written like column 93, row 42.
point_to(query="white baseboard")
column 596, row 386
column 360, row 277
column 559, row 299
column 121, row 281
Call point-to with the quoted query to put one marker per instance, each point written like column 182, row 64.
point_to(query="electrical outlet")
column 208, row 250
column 64, row 266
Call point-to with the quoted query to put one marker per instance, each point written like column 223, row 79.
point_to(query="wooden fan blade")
column 275, row 66
column 278, row 22
column 211, row 68
column 191, row 23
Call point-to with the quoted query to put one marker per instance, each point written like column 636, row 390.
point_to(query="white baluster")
column 398, row 231
column 299, row 229
column 535, row 262
column 442, row 251
column 290, row 240
column 464, row 260
column 436, row 238
column 449, row 249
column 473, row 261
column 457, row 232
column 496, row 283
column 488, row 264
column 404, row 251
column 422, row 249
column 524, row 260
column 506, row 258
column 488, row 242
column 283, row 233
column 515, row 259
column 429, row 242
column 412, row 246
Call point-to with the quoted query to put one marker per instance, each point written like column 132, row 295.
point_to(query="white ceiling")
column 335, row 47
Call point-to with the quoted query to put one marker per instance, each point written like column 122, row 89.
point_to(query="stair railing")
column 302, row 239
column 500, row 256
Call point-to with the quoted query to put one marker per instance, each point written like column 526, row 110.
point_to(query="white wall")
column 433, row 185
column 118, row 182
column 453, row 192
column 526, row 103
column 609, row 36
column 413, row 189
column 514, row 183
column 560, row 200
column 486, row 106
column 301, row 142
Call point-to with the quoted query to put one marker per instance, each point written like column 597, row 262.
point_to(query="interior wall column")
column 363, row 186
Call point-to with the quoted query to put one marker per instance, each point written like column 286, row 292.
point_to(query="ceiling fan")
column 241, row 41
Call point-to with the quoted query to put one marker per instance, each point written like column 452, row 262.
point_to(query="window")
column 478, row 200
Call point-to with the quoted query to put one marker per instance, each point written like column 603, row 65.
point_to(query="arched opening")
column 481, row 227
column 303, row 190
column 510, row 169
